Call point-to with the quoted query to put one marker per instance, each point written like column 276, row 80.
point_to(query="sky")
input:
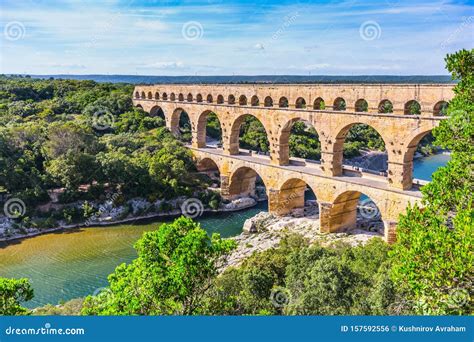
column 216, row 37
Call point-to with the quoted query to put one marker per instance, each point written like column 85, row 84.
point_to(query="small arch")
column 150, row 96
column 220, row 99
column 231, row 99
column 440, row 108
column 157, row 95
column 412, row 107
column 164, row 97
column 283, row 102
column 172, row 97
column 254, row 101
column 339, row 104
column 242, row 100
column 268, row 102
column 190, row 97
column 361, row 105
column 209, row 98
column 319, row 104
column 300, row 103
column 198, row 98
column 181, row 97
column 137, row 95
column 143, row 95
column 385, row 107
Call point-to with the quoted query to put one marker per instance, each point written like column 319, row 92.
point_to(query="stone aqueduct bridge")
column 278, row 107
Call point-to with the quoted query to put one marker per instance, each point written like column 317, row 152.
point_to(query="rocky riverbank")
column 265, row 231
column 108, row 215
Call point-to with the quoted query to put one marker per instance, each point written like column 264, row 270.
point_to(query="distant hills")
column 283, row 79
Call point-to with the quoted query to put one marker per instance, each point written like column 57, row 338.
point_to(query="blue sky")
column 216, row 37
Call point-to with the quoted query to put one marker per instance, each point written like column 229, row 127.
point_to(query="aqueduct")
column 401, row 113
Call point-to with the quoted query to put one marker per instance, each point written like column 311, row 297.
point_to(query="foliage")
column 172, row 273
column 12, row 293
column 433, row 258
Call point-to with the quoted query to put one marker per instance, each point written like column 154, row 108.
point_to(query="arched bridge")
column 401, row 114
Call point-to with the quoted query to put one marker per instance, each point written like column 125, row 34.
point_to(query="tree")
column 433, row 258
column 175, row 267
column 12, row 293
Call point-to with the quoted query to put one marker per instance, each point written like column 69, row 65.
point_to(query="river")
column 71, row 264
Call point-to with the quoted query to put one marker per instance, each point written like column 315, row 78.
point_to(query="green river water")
column 75, row 263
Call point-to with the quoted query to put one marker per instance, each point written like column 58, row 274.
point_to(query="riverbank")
column 235, row 205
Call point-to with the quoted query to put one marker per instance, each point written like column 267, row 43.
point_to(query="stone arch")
column 290, row 196
column 254, row 101
column 361, row 105
column 164, row 97
column 157, row 95
column 172, row 97
column 283, row 102
column 412, row 107
column 209, row 98
column 209, row 167
column 440, row 108
column 339, row 104
column 139, row 106
column 220, row 99
column 283, row 153
column 143, row 96
column 268, row 102
column 137, row 95
column 150, row 96
column 234, row 137
column 318, row 104
column 242, row 100
column 349, row 211
column 175, row 121
column 181, row 97
column 231, row 99
column 198, row 98
column 300, row 103
column 242, row 182
column 385, row 106
column 157, row 111
column 201, row 127
column 408, row 154
column 190, row 97
column 338, row 147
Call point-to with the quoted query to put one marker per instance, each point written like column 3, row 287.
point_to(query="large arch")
column 210, row 168
column 180, row 124
column 338, row 146
column 351, row 210
column 408, row 156
column 234, row 138
column 242, row 183
column 284, row 151
column 291, row 198
column 201, row 128
column 157, row 111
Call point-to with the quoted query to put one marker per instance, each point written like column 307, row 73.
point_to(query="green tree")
column 175, row 267
column 433, row 258
column 12, row 293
